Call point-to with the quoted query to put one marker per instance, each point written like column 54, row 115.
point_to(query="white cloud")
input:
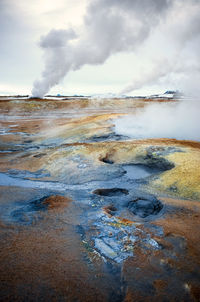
column 48, row 14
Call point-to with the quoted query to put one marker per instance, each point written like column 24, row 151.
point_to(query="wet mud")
column 88, row 215
column 111, row 192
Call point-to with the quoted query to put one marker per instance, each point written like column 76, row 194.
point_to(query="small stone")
column 104, row 249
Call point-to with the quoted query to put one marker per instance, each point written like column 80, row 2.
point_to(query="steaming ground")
column 84, row 213
column 178, row 120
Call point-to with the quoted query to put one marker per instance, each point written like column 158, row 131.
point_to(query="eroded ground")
column 89, row 215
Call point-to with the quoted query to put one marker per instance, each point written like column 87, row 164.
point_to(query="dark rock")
column 28, row 141
column 159, row 163
column 108, row 137
column 154, row 160
column 39, row 155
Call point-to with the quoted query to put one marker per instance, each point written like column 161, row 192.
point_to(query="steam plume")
column 110, row 26
column 182, row 62
column 179, row 121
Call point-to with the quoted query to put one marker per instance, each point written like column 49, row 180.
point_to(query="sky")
column 133, row 47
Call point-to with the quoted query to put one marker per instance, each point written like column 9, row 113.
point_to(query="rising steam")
column 113, row 26
column 172, row 120
column 110, row 26
column 180, row 63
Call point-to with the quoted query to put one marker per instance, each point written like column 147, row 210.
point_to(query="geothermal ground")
column 87, row 214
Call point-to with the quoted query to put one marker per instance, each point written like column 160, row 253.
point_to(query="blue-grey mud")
column 89, row 215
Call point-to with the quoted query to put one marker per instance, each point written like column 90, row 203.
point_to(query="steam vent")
column 89, row 213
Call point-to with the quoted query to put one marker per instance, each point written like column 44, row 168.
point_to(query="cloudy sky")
column 99, row 46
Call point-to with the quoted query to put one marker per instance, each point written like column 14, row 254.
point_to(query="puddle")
column 111, row 192
column 14, row 181
column 138, row 171
column 27, row 174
